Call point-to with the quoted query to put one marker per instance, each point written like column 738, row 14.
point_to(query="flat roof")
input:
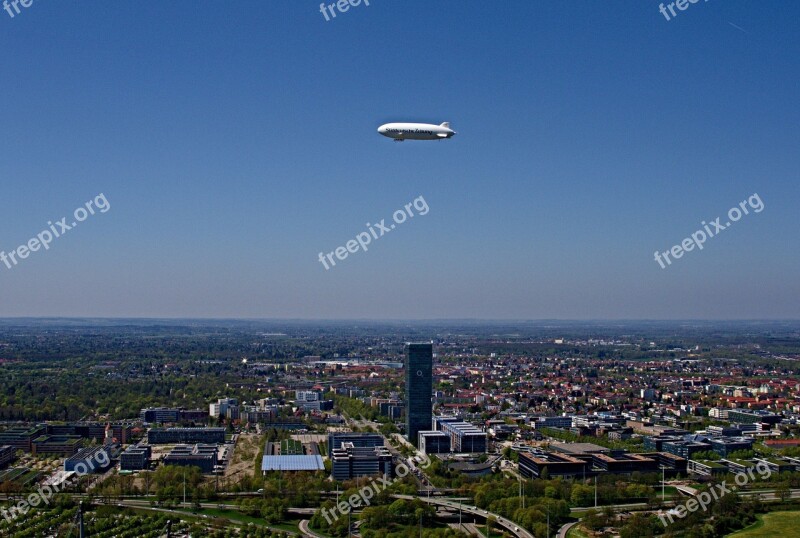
column 292, row 463
column 579, row 448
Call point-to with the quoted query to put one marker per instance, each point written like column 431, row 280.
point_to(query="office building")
column 464, row 437
column 232, row 413
column 253, row 414
column 162, row 436
column 419, row 386
column 285, row 424
column 624, row 463
column 306, row 396
column 719, row 413
column 56, row 445
column 434, row 442
column 292, row 463
column 95, row 431
column 22, row 438
column 655, row 443
column 748, row 416
column 535, row 465
column 707, row 468
column 220, row 409
column 670, row 463
column 724, row 446
column 199, row 455
column 724, row 431
column 92, row 459
column 685, row 449
column 553, row 422
column 393, row 410
column 135, row 458
column 159, row 415
column 350, row 462
column 357, row 439
column 6, row 455
column 315, row 405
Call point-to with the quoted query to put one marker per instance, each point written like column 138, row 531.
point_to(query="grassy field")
column 783, row 524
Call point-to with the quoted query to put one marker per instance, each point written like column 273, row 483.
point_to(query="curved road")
column 562, row 532
column 306, row 531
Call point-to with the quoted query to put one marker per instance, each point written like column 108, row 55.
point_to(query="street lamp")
column 548, row 520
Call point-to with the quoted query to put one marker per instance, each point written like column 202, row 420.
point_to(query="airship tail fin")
column 446, row 125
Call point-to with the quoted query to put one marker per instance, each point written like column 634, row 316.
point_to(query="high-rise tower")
column 419, row 386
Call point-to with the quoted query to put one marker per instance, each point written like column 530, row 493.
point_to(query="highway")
column 507, row 524
column 145, row 505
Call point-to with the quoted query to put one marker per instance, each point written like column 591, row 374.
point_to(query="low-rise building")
column 553, row 422
column 315, row 405
column 199, row 455
column 669, row 462
column 707, row 468
column 21, row 438
column 656, row 442
column 159, row 415
column 725, row 445
column 357, row 439
column 686, row 449
column 135, row 458
column 534, row 465
column 624, row 463
column 7, row 455
column 434, row 442
column 56, row 445
column 464, row 437
column 92, row 459
column 162, row 436
column 350, row 461
column 750, row 416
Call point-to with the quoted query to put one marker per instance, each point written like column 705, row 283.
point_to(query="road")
column 562, row 532
column 306, row 530
column 507, row 524
column 185, row 512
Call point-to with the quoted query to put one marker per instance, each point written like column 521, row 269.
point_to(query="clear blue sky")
column 237, row 140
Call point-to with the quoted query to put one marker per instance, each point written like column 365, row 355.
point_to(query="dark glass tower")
column 419, row 386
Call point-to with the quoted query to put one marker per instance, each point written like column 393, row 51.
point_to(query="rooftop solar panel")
column 292, row 463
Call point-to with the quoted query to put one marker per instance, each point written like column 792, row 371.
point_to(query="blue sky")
column 234, row 141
